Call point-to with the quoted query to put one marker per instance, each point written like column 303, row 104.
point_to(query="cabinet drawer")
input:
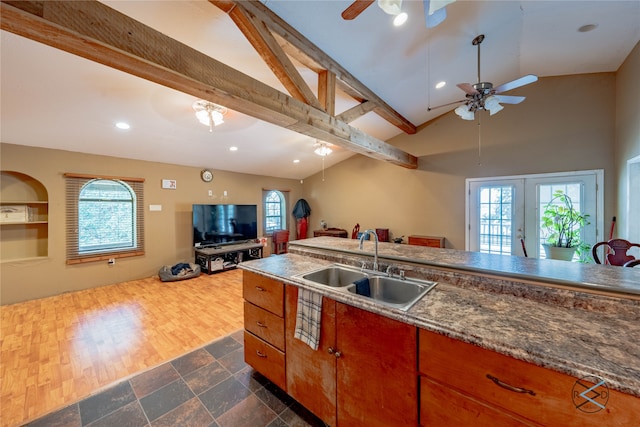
column 264, row 325
column 263, row 292
column 465, row 367
column 441, row 406
column 266, row 359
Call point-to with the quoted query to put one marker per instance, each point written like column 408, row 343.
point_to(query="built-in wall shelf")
column 28, row 238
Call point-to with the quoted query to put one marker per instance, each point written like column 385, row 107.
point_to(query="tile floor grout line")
column 267, row 397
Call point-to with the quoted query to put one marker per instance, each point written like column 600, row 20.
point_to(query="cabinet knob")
column 510, row 387
column 335, row 352
column 260, row 288
column 260, row 324
column 260, row 354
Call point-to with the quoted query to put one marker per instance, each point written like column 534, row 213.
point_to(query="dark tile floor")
column 211, row 386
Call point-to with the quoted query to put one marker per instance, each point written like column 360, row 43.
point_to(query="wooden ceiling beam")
column 355, row 112
column 271, row 52
column 306, row 48
column 327, row 91
column 96, row 32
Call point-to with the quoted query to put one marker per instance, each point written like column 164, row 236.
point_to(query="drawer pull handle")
column 260, row 354
column 260, row 324
column 510, row 387
column 261, row 289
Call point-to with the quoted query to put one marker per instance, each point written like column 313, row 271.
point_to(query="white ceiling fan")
column 483, row 96
column 434, row 10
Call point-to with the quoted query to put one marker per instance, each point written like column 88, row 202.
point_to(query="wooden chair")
column 619, row 255
column 280, row 242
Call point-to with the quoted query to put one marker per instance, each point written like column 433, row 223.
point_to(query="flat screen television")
column 215, row 225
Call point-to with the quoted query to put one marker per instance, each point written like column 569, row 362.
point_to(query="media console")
column 225, row 257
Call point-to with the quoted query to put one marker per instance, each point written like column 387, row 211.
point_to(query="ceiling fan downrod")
column 476, row 42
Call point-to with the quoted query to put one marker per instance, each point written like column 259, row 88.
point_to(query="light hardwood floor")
column 58, row 350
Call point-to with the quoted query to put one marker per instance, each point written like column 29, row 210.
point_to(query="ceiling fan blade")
column 355, row 9
column 467, row 88
column 506, row 99
column 525, row 80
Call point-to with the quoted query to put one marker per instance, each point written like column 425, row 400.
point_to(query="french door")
column 503, row 214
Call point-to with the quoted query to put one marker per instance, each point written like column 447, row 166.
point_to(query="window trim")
column 284, row 207
column 74, row 184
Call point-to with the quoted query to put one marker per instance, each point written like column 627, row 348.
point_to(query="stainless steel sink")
column 336, row 276
column 389, row 291
column 394, row 292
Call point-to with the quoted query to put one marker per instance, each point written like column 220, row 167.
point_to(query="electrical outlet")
column 210, row 193
column 112, row 261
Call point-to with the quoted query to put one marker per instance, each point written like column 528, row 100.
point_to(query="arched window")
column 275, row 208
column 104, row 218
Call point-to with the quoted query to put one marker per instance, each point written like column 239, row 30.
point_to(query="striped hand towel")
column 308, row 318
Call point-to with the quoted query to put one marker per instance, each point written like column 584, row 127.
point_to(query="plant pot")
column 557, row 252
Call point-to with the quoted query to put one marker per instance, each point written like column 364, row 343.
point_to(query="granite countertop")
column 588, row 276
column 598, row 337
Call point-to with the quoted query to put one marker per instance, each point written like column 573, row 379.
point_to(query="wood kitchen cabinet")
column 463, row 384
column 264, row 344
column 430, row 241
column 364, row 371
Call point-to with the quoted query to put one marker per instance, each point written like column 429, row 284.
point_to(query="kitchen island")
column 576, row 320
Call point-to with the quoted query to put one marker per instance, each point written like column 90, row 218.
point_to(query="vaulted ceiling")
column 291, row 73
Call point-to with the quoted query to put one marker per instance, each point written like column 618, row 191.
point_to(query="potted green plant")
column 562, row 227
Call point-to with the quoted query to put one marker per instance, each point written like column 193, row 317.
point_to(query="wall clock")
column 206, row 175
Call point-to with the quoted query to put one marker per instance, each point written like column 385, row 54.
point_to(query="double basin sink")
column 400, row 293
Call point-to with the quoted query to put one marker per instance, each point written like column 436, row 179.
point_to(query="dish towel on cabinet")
column 308, row 318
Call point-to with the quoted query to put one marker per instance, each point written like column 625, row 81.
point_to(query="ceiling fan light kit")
column 322, row 149
column 483, row 96
column 391, row 7
column 434, row 10
column 209, row 114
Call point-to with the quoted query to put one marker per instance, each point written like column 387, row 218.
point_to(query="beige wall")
column 565, row 124
column 627, row 135
column 168, row 233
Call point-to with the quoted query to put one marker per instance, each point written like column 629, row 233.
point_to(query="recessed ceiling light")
column 296, row 161
column 587, row 28
column 233, row 148
column 122, row 125
column 440, row 85
column 400, row 19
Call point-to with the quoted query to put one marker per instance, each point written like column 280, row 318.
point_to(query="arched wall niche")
column 27, row 236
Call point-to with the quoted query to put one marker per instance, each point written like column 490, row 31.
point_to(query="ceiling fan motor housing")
column 485, row 88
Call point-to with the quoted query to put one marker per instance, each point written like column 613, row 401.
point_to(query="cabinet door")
column 376, row 371
column 311, row 375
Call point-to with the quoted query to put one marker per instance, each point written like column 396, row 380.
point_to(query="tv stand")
column 225, row 257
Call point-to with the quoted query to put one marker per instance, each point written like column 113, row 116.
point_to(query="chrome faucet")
column 400, row 272
column 375, row 237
